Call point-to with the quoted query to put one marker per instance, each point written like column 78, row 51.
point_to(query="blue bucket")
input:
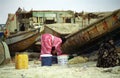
column 54, row 60
column 1, row 34
column 46, row 60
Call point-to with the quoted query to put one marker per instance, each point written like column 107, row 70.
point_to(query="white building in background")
column 33, row 17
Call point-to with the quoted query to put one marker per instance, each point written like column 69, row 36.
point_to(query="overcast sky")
column 10, row 6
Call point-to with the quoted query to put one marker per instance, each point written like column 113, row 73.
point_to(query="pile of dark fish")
column 108, row 56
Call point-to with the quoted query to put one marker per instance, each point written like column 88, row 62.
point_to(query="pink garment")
column 48, row 41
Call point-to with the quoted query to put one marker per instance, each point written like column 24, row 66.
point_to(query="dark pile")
column 107, row 55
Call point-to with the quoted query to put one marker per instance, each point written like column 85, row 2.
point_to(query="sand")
column 81, row 70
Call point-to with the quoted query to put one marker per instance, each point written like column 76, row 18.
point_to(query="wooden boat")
column 1, row 53
column 4, row 53
column 81, row 40
column 61, row 29
column 22, row 40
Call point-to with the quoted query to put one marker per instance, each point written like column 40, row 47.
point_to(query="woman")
column 48, row 41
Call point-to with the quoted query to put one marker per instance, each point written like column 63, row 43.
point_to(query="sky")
column 11, row 6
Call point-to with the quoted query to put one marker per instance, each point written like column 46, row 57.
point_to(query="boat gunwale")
column 23, row 32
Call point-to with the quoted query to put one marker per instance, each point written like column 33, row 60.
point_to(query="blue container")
column 46, row 60
column 54, row 60
column 1, row 34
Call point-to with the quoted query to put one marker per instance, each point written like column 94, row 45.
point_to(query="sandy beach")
column 81, row 70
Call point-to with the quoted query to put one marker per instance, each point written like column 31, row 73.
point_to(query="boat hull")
column 22, row 41
column 89, row 38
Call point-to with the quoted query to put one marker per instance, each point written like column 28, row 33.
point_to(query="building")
column 30, row 19
column 50, row 16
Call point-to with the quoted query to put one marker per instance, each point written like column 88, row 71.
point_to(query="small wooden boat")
column 4, row 53
column 22, row 40
column 1, row 53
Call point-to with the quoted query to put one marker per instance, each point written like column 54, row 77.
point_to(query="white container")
column 62, row 59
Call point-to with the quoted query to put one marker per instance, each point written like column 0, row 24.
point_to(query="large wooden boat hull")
column 81, row 40
column 22, row 41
